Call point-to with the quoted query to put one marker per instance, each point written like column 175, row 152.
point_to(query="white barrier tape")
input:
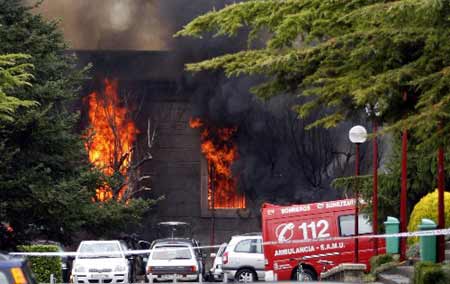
column 437, row 232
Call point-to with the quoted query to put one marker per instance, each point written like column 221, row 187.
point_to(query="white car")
column 173, row 257
column 243, row 259
column 100, row 262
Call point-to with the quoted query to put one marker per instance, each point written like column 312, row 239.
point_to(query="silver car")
column 216, row 272
column 243, row 259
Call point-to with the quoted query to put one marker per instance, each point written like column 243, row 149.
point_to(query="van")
column 310, row 234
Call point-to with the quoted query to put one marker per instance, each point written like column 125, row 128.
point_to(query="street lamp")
column 357, row 135
column 373, row 111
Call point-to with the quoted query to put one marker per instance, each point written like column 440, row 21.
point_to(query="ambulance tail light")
column 225, row 258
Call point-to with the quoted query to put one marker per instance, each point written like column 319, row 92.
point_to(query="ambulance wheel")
column 308, row 274
column 245, row 275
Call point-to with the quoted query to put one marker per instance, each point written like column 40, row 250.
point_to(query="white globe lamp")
column 357, row 134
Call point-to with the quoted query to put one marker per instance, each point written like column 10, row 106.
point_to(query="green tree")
column 342, row 55
column 46, row 181
column 14, row 73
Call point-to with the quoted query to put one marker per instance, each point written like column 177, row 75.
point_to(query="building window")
column 222, row 189
column 221, row 201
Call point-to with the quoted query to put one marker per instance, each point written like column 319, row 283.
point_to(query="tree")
column 112, row 132
column 342, row 55
column 46, row 180
column 13, row 74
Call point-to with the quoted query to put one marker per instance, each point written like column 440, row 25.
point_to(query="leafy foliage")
column 427, row 272
column 43, row 266
column 13, row 74
column 46, row 180
column 343, row 55
column 426, row 208
column 421, row 179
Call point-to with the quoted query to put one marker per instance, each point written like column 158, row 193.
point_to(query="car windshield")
column 100, row 250
column 171, row 252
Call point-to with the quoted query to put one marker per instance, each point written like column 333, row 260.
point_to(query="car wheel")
column 307, row 274
column 245, row 275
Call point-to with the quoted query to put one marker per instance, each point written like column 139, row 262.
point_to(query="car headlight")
column 120, row 268
column 80, row 268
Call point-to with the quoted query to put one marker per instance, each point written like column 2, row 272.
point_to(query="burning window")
column 220, row 152
column 110, row 137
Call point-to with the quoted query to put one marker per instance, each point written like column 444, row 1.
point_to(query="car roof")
column 7, row 262
column 257, row 234
column 100, row 241
column 175, row 241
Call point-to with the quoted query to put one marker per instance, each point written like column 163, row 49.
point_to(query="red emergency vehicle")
column 291, row 234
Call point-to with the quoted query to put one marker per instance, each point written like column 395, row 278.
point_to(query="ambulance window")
column 244, row 246
column 347, row 225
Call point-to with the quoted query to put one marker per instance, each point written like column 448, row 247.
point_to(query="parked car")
column 15, row 270
column 175, row 256
column 216, row 272
column 101, row 262
column 243, row 259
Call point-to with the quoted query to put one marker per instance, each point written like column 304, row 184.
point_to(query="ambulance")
column 317, row 235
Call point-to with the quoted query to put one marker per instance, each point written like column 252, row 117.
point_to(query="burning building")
column 145, row 116
column 203, row 142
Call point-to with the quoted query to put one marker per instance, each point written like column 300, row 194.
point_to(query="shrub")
column 427, row 272
column 434, row 275
column 378, row 260
column 43, row 266
column 427, row 208
column 413, row 251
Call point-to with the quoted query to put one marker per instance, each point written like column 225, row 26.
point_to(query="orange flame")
column 220, row 153
column 112, row 135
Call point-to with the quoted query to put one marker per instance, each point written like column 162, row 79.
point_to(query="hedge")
column 44, row 266
column 427, row 208
column 431, row 273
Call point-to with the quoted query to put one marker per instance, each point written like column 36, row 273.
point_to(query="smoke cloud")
column 109, row 24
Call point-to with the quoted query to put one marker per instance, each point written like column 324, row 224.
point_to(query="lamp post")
column 404, row 188
column 441, row 211
column 357, row 135
column 374, row 112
